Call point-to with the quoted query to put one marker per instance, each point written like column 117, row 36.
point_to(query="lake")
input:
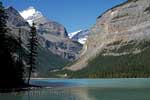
column 85, row 89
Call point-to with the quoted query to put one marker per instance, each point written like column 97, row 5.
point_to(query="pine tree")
column 9, row 76
column 32, row 47
column 19, row 63
column 3, row 28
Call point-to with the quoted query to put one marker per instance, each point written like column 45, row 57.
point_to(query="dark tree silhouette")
column 32, row 47
column 10, row 75
column 19, row 62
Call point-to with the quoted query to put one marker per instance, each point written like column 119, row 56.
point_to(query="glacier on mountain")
column 80, row 36
column 30, row 14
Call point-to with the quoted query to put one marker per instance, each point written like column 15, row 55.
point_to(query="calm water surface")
column 85, row 89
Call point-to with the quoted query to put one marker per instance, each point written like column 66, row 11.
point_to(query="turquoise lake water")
column 85, row 89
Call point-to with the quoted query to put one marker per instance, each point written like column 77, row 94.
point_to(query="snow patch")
column 73, row 33
column 114, row 13
column 82, row 40
column 80, row 36
column 30, row 14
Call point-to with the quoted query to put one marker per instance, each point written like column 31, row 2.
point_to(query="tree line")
column 12, row 66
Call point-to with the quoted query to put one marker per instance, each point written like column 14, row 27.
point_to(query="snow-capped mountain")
column 52, row 35
column 80, row 36
column 31, row 15
column 55, row 48
column 73, row 33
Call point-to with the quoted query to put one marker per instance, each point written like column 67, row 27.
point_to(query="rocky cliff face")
column 16, row 22
column 119, row 31
column 53, row 35
column 55, row 47
column 14, row 18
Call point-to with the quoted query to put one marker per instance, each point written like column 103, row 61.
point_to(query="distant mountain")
column 73, row 33
column 118, row 44
column 52, row 35
column 55, row 48
column 80, row 36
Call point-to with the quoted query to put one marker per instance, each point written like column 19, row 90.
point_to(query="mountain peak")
column 30, row 14
column 12, row 9
column 80, row 36
column 74, row 33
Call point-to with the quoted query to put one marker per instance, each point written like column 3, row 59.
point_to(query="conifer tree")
column 19, row 63
column 32, row 47
column 9, row 76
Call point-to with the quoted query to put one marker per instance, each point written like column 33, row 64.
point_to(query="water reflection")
column 87, row 94
column 82, row 94
column 58, row 94
column 11, row 96
column 108, row 89
column 28, row 95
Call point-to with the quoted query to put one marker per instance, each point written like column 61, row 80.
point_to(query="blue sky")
column 73, row 14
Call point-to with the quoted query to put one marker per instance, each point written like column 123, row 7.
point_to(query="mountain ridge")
column 117, row 32
column 49, row 58
column 53, row 35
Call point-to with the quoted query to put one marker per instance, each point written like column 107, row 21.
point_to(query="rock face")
column 14, row 18
column 119, row 31
column 16, row 22
column 53, row 35
column 55, row 48
column 55, row 38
